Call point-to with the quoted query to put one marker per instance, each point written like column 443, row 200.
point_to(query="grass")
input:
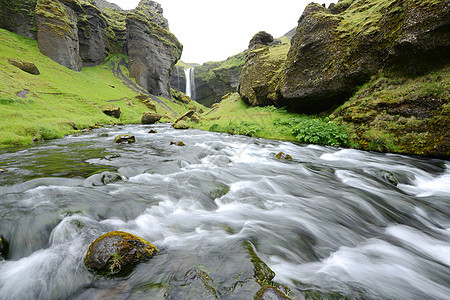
column 59, row 100
column 232, row 115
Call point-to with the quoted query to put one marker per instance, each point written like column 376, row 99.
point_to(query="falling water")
column 190, row 83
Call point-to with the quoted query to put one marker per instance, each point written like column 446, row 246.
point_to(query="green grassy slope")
column 59, row 100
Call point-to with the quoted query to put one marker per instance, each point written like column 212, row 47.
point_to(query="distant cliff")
column 77, row 33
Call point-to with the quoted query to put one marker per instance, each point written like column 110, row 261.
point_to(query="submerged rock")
column 117, row 252
column 25, row 66
column 179, row 143
column 150, row 118
column 153, row 131
column 284, row 156
column 125, row 139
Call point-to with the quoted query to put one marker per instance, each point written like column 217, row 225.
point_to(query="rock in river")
column 125, row 139
column 117, row 252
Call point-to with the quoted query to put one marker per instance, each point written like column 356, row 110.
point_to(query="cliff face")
column 152, row 49
column 78, row 33
column 393, row 52
column 333, row 53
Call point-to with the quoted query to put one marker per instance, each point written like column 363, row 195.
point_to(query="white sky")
column 214, row 30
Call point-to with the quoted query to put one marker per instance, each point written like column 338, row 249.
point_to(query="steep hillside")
column 60, row 101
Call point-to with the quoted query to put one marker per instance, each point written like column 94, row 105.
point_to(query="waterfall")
column 190, row 82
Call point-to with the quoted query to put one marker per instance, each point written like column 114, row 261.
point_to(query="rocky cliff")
column 391, row 52
column 77, row 33
column 150, row 43
column 333, row 52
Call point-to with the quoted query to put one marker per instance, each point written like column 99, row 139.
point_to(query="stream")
column 361, row 224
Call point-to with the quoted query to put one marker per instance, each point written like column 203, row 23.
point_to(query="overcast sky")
column 214, row 30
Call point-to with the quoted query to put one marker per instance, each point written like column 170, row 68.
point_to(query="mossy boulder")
column 111, row 110
column 181, row 125
column 125, row 139
column 117, row 252
column 283, row 156
column 150, row 118
column 25, row 66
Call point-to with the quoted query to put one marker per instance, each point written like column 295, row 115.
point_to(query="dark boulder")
column 112, row 111
column 150, row 118
column 153, row 131
column 25, row 66
column 125, row 139
column 117, row 252
column 4, row 248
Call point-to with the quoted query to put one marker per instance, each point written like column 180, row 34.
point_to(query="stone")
column 153, row 50
column 117, row 252
column 112, row 111
column 4, row 247
column 153, row 131
column 125, row 139
column 261, row 38
column 150, row 118
column 270, row 293
column 3, row 170
column 181, row 125
column 25, row 66
column 110, row 177
column 284, row 156
column 178, row 143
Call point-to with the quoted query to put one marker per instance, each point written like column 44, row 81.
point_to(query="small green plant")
column 115, row 263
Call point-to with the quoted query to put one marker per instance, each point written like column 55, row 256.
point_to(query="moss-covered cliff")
column 391, row 53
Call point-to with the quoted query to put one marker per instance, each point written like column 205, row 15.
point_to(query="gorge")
column 309, row 166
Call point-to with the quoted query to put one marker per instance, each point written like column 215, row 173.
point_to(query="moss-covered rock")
column 117, row 252
column 125, row 139
column 18, row 16
column 270, row 293
column 259, row 80
column 150, row 118
column 111, row 110
column 25, row 66
column 181, row 125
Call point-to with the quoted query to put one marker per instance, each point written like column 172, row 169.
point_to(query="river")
column 365, row 225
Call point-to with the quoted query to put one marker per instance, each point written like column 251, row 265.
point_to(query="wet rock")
column 3, row 171
column 181, row 125
column 4, row 248
column 153, row 131
column 150, row 118
column 112, row 111
column 284, row 156
column 270, row 293
column 25, row 66
column 125, row 139
column 117, row 252
column 389, row 177
column 178, row 143
column 110, row 177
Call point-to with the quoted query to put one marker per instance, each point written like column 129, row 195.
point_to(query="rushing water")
column 330, row 220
